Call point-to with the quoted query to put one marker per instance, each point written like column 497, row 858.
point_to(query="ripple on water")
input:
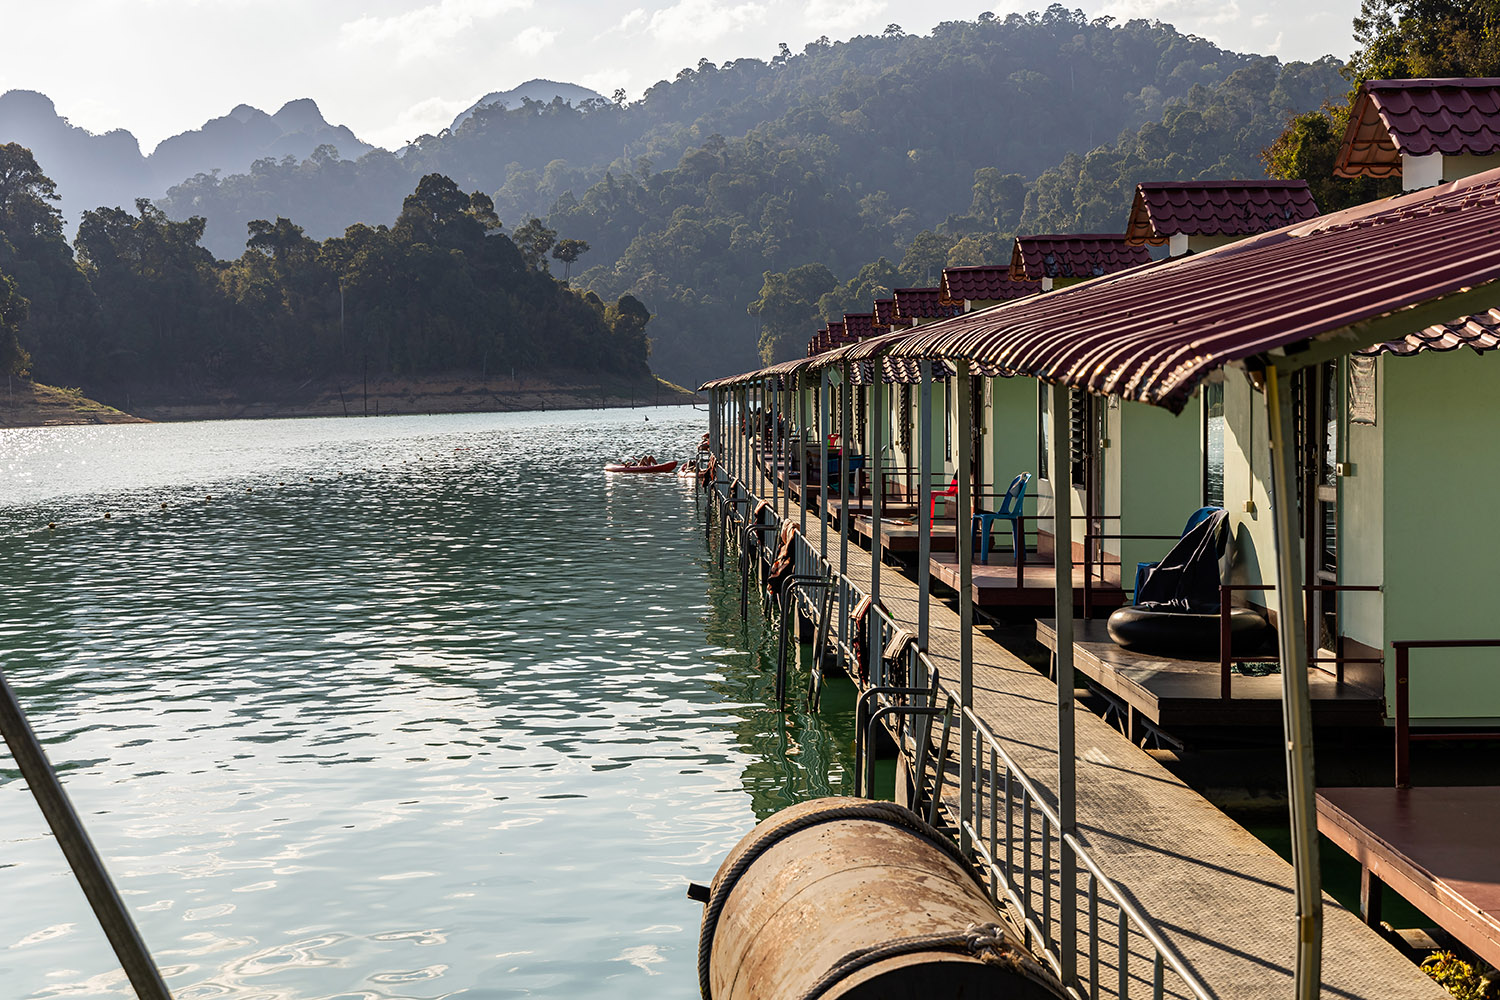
column 406, row 707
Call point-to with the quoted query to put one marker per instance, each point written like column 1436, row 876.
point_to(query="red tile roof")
column 885, row 313
column 857, row 326
column 1418, row 117
column 923, row 303
column 1155, row 332
column 1481, row 332
column 1216, row 208
column 982, row 283
column 1081, row 255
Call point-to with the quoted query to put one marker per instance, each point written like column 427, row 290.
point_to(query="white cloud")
column 632, row 20
column 703, row 20
column 1194, row 16
column 427, row 117
column 422, row 32
column 843, row 15
column 534, row 39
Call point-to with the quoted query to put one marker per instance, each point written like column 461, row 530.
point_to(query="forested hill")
column 837, row 155
column 919, row 150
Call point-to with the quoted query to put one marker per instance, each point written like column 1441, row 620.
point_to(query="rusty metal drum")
column 853, row 899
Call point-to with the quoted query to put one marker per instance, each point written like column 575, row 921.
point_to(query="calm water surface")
column 403, row 707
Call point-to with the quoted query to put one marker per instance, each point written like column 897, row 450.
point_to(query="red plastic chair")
column 951, row 491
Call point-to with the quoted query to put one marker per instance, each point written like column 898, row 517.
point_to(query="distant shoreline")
column 29, row 404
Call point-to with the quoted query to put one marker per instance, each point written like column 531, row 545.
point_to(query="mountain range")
column 109, row 169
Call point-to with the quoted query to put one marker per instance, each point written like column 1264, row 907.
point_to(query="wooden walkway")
column 1218, row 895
column 1181, row 695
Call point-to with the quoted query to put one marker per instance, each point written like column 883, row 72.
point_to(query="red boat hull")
column 661, row 467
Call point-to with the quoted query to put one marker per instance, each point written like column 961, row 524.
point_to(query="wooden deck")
column 1218, row 895
column 1177, row 695
column 1436, row 847
column 902, row 535
column 995, row 585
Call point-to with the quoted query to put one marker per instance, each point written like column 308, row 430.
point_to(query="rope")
column 879, row 812
column 984, row 941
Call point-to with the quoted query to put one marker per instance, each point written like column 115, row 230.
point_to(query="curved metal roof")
column 1154, row 332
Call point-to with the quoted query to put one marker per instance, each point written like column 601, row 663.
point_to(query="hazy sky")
column 394, row 69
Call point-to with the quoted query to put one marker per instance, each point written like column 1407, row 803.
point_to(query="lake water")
column 402, row 707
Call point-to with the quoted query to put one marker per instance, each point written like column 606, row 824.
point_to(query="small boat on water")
column 655, row 467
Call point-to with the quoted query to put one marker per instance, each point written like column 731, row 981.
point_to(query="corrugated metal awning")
column 1153, row 333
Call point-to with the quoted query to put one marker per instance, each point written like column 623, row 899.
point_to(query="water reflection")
column 383, row 708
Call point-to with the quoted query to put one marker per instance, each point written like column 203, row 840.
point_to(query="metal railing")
column 1404, row 735
column 1015, row 834
column 1228, row 657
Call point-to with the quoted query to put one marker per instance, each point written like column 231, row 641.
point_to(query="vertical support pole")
column 877, row 436
column 802, row 421
column 83, row 859
column 846, row 448
column 824, row 410
column 963, row 538
column 1296, row 704
column 773, row 426
column 1062, row 600
column 924, row 504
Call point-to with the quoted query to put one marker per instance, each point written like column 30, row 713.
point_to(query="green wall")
column 1160, row 480
column 1442, row 476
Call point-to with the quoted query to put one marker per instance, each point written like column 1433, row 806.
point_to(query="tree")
column 26, row 197
column 568, row 251
column 13, row 310
column 534, row 240
column 1402, row 39
column 788, row 309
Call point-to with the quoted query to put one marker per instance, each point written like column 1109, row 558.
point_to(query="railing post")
column 1062, row 600
column 963, row 542
column 1403, row 715
column 1296, row 702
column 1226, row 639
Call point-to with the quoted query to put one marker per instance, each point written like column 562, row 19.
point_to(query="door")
column 1319, row 461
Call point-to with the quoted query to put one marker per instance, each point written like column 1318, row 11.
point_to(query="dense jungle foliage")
column 893, row 145
column 1398, row 40
column 138, row 305
column 799, row 187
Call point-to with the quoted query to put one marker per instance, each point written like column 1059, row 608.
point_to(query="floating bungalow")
column 1297, row 380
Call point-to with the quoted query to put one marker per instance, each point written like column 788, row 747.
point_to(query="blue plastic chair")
column 1010, row 510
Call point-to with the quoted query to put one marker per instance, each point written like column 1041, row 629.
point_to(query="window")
column 1044, row 421
column 903, row 426
column 948, row 418
column 1213, row 445
column 1079, row 411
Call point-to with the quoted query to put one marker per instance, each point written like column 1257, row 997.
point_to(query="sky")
column 392, row 70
